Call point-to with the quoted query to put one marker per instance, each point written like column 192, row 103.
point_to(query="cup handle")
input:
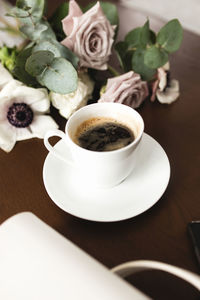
column 132, row 267
column 52, row 150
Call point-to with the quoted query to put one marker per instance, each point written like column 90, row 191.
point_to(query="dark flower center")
column 20, row 115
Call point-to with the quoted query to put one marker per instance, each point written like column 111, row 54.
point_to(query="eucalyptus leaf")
column 35, row 8
column 140, row 37
column 59, row 77
column 38, row 62
column 47, row 45
column 48, row 33
column 17, row 13
column 58, row 50
column 110, row 11
column 155, row 57
column 68, row 54
column 19, row 70
column 145, row 35
column 170, row 36
column 33, row 31
column 139, row 67
column 133, row 37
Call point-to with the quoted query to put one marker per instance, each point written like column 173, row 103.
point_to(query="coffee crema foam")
column 103, row 134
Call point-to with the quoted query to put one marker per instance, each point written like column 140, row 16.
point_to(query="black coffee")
column 102, row 134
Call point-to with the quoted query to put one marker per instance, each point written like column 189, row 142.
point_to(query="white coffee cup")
column 101, row 169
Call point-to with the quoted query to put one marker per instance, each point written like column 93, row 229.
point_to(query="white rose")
column 67, row 104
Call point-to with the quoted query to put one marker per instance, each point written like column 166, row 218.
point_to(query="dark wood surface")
column 161, row 232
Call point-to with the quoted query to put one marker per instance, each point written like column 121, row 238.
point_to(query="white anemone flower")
column 5, row 76
column 22, row 112
column 67, row 104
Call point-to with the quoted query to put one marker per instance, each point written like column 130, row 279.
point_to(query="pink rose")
column 89, row 35
column 127, row 89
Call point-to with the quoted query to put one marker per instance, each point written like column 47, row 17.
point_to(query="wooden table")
column 161, row 232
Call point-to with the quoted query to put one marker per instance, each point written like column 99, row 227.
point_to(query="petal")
column 119, row 79
column 8, row 89
column 174, row 85
column 29, row 95
column 67, row 43
column 166, row 67
column 154, row 88
column 69, row 110
column 69, row 103
column 7, row 136
column 85, row 78
column 94, row 11
column 162, row 77
column 41, row 124
column 24, row 134
column 168, row 96
column 43, row 104
column 67, row 22
column 5, row 76
column 5, row 103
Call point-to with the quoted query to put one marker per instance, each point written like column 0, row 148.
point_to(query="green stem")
column 113, row 71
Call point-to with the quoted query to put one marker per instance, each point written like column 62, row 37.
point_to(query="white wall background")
column 187, row 11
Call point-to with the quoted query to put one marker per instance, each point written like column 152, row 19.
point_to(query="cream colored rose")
column 127, row 89
column 67, row 104
column 89, row 35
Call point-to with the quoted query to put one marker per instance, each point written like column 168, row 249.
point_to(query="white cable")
column 132, row 267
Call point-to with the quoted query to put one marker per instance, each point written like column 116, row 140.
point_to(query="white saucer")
column 141, row 190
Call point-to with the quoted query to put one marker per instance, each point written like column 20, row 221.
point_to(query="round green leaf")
column 133, row 38
column 58, row 50
column 38, row 62
column 34, row 7
column 33, row 31
column 48, row 33
column 68, row 54
column 139, row 67
column 110, row 10
column 19, row 70
column 59, row 77
column 155, row 57
column 170, row 36
column 145, row 34
column 47, row 45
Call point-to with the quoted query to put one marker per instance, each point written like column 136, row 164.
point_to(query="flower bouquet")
column 55, row 61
